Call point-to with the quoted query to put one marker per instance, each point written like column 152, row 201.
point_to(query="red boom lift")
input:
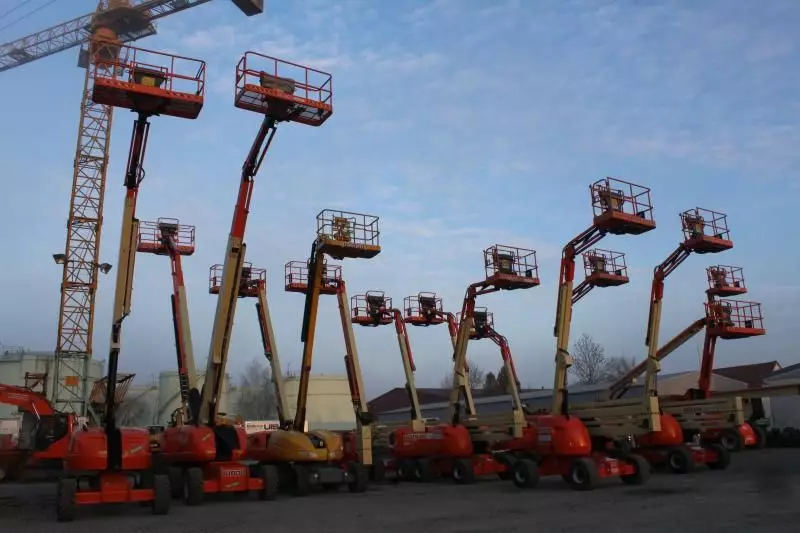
column 209, row 449
column 109, row 464
column 565, row 436
column 168, row 237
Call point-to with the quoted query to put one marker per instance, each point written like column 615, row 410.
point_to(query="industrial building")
column 784, row 410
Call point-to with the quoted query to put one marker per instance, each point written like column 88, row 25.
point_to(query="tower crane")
column 124, row 21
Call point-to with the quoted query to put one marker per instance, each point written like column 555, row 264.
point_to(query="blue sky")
column 461, row 124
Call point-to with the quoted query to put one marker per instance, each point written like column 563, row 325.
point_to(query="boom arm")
column 25, row 399
column 232, row 276
column 621, row 386
column 508, row 364
column 187, row 378
column 271, row 351
column 575, row 247
column 408, row 362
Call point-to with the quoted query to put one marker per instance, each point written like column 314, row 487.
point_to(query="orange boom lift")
column 565, row 437
column 209, row 449
column 109, row 464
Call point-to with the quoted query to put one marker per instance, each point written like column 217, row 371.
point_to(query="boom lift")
column 506, row 268
column 564, row 442
column 167, row 236
column 374, row 309
column 320, row 457
column 210, row 450
column 116, row 462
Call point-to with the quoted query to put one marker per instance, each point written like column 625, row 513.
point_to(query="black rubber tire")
column 269, row 476
column 301, row 482
column 641, row 469
column 463, row 472
column 582, row 474
column 423, row 470
column 193, row 490
column 360, row 476
column 525, row 474
column 67, row 488
column 176, row 482
column 162, row 494
column 731, row 440
column 761, row 438
column 680, row 460
column 723, row 457
column 405, row 470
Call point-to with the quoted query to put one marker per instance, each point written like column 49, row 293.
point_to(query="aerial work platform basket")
column 155, row 237
column 725, row 281
column 145, row 81
column 621, row 207
column 604, row 268
column 423, row 309
column 282, row 90
column 296, row 277
column 343, row 234
column 734, row 319
column 249, row 284
column 482, row 319
column 705, row 231
column 372, row 308
column 509, row 267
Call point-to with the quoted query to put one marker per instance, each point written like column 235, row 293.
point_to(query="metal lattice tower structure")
column 123, row 21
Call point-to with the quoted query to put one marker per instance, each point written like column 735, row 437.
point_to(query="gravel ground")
column 759, row 492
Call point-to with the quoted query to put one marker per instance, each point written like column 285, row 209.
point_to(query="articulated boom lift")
column 425, row 309
column 168, row 237
column 564, row 443
column 209, row 451
column 319, row 457
column 117, row 462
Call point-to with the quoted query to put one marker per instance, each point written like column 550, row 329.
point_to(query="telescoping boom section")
column 208, row 453
column 168, row 237
column 119, row 460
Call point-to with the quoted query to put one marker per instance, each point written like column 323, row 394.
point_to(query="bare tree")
column 477, row 377
column 617, row 366
column 255, row 392
column 588, row 360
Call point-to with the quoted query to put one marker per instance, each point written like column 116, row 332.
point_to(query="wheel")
column 641, row 470
column 162, row 494
column 582, row 474
column 65, row 504
column 680, row 460
column 732, row 440
column 269, row 476
column 176, row 482
column 525, row 474
column 360, row 478
column 761, row 438
column 423, row 470
column 723, row 459
column 193, row 490
column 2, row 474
column 463, row 473
column 302, row 481
column 405, row 470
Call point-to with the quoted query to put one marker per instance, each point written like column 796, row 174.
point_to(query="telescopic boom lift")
column 118, row 461
column 168, row 237
column 209, row 451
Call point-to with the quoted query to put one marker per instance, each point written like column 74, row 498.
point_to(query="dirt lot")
column 760, row 492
